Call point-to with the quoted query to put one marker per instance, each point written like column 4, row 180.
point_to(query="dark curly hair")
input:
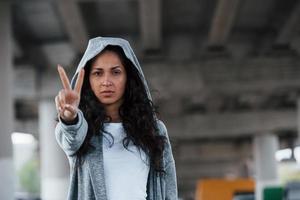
column 136, row 112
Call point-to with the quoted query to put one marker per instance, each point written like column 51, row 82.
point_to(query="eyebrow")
column 99, row 68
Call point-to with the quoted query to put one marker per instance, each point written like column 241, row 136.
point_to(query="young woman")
column 108, row 127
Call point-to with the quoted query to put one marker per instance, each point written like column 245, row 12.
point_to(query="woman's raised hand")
column 67, row 100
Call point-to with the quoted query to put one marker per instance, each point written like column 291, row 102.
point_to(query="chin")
column 108, row 101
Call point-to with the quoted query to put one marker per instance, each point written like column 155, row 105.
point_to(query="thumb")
column 71, row 109
column 69, row 112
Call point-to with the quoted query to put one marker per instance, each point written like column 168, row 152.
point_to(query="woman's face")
column 108, row 78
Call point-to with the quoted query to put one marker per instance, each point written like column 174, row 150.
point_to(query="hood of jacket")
column 96, row 45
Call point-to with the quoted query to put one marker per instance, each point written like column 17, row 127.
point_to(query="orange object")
column 222, row 189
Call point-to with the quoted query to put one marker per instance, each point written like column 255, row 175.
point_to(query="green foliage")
column 29, row 176
column 289, row 172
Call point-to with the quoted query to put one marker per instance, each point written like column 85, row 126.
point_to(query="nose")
column 106, row 81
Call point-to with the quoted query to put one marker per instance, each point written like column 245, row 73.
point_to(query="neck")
column 113, row 112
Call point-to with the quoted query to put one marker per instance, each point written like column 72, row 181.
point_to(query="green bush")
column 29, row 176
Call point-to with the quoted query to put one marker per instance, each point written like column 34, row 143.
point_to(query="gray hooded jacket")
column 87, row 181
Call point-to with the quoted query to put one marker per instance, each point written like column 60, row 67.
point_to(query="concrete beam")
column 74, row 23
column 199, row 78
column 150, row 24
column 222, row 22
column 264, row 75
column 289, row 28
column 192, row 171
column 61, row 52
column 230, row 125
column 209, row 152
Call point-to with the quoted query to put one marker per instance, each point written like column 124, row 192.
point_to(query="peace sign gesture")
column 67, row 100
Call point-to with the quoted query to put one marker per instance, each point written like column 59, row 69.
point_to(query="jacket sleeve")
column 71, row 137
column 170, row 169
column 171, row 182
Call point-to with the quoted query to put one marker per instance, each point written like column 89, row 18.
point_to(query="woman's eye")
column 97, row 73
column 117, row 72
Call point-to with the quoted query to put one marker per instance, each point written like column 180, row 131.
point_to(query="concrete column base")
column 266, row 168
column 55, row 188
column 7, row 182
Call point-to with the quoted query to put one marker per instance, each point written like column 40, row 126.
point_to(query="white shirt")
column 126, row 172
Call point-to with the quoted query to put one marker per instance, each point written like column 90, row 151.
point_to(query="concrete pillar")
column 54, row 163
column 7, row 175
column 266, row 172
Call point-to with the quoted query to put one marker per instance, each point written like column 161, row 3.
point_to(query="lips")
column 107, row 92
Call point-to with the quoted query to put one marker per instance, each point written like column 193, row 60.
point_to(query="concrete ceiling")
column 39, row 22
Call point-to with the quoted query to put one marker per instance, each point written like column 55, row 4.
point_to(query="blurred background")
column 225, row 74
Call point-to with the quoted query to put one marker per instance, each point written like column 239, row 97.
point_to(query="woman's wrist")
column 70, row 122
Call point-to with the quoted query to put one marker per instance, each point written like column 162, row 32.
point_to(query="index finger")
column 79, row 81
column 64, row 78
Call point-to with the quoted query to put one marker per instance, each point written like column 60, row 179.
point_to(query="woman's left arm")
column 171, row 182
column 170, row 176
